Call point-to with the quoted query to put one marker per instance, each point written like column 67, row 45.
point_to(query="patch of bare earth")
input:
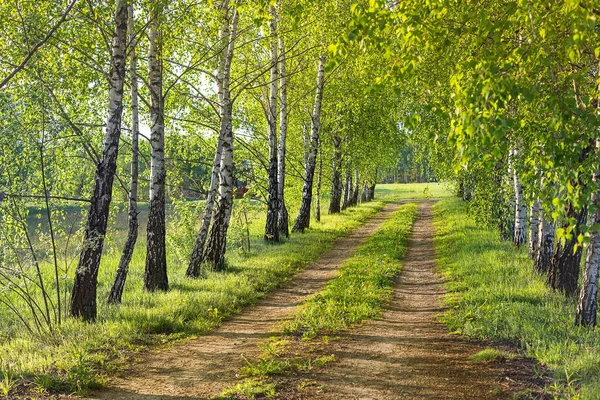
column 408, row 354
column 203, row 367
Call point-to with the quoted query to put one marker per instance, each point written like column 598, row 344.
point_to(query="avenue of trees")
column 131, row 102
column 159, row 102
column 512, row 89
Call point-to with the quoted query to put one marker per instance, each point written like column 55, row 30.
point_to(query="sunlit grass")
column 359, row 292
column 397, row 191
column 494, row 294
column 78, row 355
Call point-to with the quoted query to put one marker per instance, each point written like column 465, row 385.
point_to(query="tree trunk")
column 283, row 117
column 303, row 219
column 318, row 199
column 346, row 202
column 372, row 191
column 155, row 277
column 272, row 222
column 364, row 196
column 197, row 257
column 588, row 296
column 520, row 233
column 116, row 292
column 543, row 257
column 83, row 296
column 534, row 218
column 336, row 177
column 193, row 270
column 214, row 254
column 564, row 271
column 356, row 190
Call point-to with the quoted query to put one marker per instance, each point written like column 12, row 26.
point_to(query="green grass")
column 363, row 285
column 78, row 356
column 492, row 355
column 494, row 294
column 359, row 292
column 397, row 191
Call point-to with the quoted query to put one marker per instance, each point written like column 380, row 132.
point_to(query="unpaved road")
column 408, row 354
column 203, row 367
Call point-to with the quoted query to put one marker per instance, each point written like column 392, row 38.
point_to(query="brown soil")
column 203, row 367
column 408, row 354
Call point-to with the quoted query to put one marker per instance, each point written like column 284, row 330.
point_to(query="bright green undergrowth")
column 78, row 355
column 494, row 294
column 364, row 282
column 359, row 292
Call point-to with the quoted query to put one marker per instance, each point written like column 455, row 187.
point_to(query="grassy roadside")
column 494, row 294
column 79, row 355
column 359, row 292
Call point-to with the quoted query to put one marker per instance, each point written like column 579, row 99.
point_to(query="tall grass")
column 494, row 294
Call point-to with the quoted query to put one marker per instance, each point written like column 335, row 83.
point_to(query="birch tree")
column 116, row 291
column 303, row 219
column 155, row 276
column 336, row 178
column 214, row 253
column 587, row 304
column 273, row 201
column 226, row 40
column 283, row 220
column 83, row 295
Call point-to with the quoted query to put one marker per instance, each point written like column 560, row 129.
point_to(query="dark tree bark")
column 372, row 191
column 155, row 277
column 543, row 257
column 83, row 295
column 564, row 271
column 272, row 221
column 534, row 220
column 116, row 292
column 303, row 219
column 336, row 178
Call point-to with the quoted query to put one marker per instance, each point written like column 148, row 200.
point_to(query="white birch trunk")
column 283, row 118
column 520, row 230
column 155, row 277
column 272, row 226
column 83, row 295
column 303, row 219
column 214, row 254
column 116, row 292
column 588, row 297
column 197, row 257
column 545, row 246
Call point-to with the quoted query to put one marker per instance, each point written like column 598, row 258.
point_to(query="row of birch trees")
column 511, row 89
column 143, row 101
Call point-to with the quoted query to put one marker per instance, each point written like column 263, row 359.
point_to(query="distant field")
column 393, row 191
